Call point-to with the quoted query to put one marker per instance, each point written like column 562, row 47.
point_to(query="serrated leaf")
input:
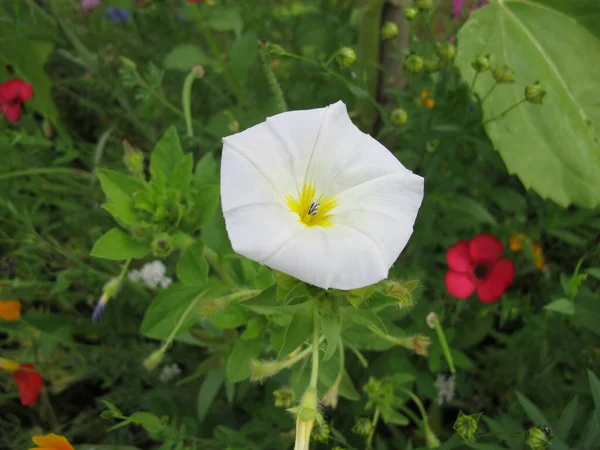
column 560, row 138
column 167, row 153
column 118, row 245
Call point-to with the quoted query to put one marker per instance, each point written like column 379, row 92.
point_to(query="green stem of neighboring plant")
column 314, row 374
column 272, row 79
column 487, row 94
column 214, row 48
column 444, row 343
column 186, row 101
column 506, row 111
column 424, row 416
column 373, row 425
column 158, row 96
column 363, row 361
column 473, row 82
column 213, row 260
column 45, row 171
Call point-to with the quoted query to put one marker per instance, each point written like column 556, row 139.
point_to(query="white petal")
column 258, row 231
column 336, row 257
column 385, row 209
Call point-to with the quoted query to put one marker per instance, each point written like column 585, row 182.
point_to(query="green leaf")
column 118, row 245
column 243, row 55
column 254, row 329
column 532, row 411
column 391, row 416
column 117, row 186
column 567, row 418
column 562, row 306
column 105, row 447
column 560, row 138
column 473, row 209
column 167, row 153
column 224, row 18
column 208, row 391
column 595, row 387
column 356, row 296
column 233, row 316
column 207, row 171
column 366, row 318
column 185, row 56
column 192, row 268
column 176, row 303
column 244, row 351
column 299, row 330
column 206, row 202
column 332, row 329
column 181, row 176
column 149, row 421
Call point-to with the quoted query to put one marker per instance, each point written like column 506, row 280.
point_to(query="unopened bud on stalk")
column 398, row 117
column 431, row 65
column 410, row 13
column 198, row 71
column 535, row 93
column 446, row 51
column 162, row 245
column 134, row 159
column 424, row 5
column 284, row 397
column 389, row 30
column 154, row 359
column 234, row 126
column 467, row 426
column 413, row 63
column 345, row 57
column 538, row 438
column 321, row 433
column 503, row 74
column 363, row 426
column 431, row 319
column 481, row 64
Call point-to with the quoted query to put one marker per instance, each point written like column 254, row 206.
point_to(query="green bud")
column 162, row 245
column 389, row 30
column 481, row 64
column 363, row 426
column 467, row 426
column 261, row 370
column 503, row 74
column 154, row 359
column 275, row 49
column 431, row 65
column 410, row 13
column 356, row 296
column 413, row 63
column 538, row 438
column 535, row 93
column 47, row 129
column 128, row 63
column 398, row 117
column 234, row 126
column 424, row 5
column 111, row 288
column 284, row 397
column 401, row 291
column 321, row 433
column 446, row 51
column 345, row 57
column 134, row 159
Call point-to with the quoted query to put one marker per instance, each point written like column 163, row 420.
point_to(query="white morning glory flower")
column 308, row 194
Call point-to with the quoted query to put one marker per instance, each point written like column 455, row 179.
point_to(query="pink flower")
column 89, row 4
column 477, row 265
column 13, row 94
column 457, row 6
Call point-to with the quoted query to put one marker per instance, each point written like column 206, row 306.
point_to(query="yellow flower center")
column 312, row 210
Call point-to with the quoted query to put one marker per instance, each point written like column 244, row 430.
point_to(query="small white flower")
column 134, row 276
column 165, row 282
column 446, row 387
column 169, row 373
column 308, row 194
column 152, row 274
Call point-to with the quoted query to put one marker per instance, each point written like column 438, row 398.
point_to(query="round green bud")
column 321, row 434
column 345, row 56
column 535, row 93
column 410, row 13
column 503, row 74
column 481, row 64
column 389, row 30
column 431, row 65
column 424, row 5
column 284, row 397
column 134, row 159
column 162, row 245
column 466, row 426
column 363, row 426
column 538, row 438
column 446, row 51
column 398, row 117
column 413, row 63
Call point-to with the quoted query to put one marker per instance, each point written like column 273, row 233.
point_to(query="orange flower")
column 538, row 257
column 516, row 242
column 10, row 310
column 10, row 365
column 51, row 442
column 426, row 101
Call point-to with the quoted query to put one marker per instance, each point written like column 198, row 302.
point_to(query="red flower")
column 13, row 94
column 30, row 383
column 476, row 265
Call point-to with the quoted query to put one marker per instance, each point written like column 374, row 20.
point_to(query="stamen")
column 313, row 208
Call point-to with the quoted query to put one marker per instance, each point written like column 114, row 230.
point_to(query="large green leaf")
column 118, row 245
column 554, row 148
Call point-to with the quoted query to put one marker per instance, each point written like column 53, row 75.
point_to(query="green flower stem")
column 289, row 361
column 45, row 171
column 240, row 296
column 489, row 92
column 473, row 82
column 314, row 374
column 213, row 260
column 186, row 101
column 158, row 96
column 214, row 48
column 272, row 79
column 506, row 111
column 444, row 343
column 363, row 361
column 372, row 433
column 429, row 27
column 415, row 399
column 169, row 341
